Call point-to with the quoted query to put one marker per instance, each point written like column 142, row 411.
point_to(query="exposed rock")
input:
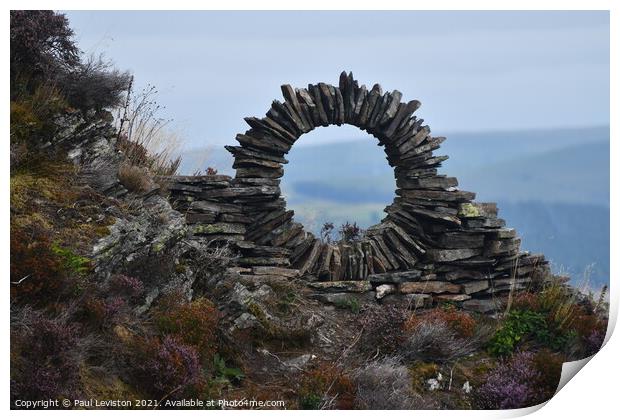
column 467, row 387
column 428, row 287
column 442, row 255
column 245, row 321
column 215, row 228
column 395, row 277
column 452, row 298
column 278, row 271
column 267, row 261
column 342, row 297
column 242, row 296
column 482, row 305
column 475, row 286
column 433, row 384
column 298, row 363
column 342, row 286
column 384, row 290
column 455, row 240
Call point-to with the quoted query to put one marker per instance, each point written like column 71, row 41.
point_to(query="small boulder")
column 384, row 290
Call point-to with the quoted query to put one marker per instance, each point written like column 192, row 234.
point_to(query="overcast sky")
column 472, row 71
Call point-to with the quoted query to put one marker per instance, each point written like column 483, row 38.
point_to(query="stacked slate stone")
column 436, row 243
column 216, row 210
column 209, row 205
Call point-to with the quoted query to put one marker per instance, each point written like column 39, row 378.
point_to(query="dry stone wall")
column 435, row 244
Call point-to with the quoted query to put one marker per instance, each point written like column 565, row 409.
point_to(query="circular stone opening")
column 337, row 175
column 432, row 231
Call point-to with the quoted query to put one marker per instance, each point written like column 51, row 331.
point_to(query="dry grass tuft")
column 385, row 384
column 144, row 137
column 134, row 178
column 436, row 340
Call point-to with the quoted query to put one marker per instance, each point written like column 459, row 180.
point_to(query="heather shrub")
column 524, row 380
column 46, row 358
column 127, row 286
column 461, row 322
column 509, row 385
column 590, row 329
column 382, row 328
column 40, row 268
column 326, row 386
column 35, row 269
column 43, row 53
column 49, row 78
column 194, row 323
column 350, row 232
column 385, row 385
column 593, row 342
column 45, row 219
column 549, row 366
column 105, row 311
column 165, row 368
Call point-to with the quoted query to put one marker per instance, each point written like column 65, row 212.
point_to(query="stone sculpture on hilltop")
column 436, row 243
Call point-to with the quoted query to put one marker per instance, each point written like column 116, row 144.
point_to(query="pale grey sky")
column 472, row 71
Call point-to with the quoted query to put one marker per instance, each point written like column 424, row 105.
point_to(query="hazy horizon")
column 360, row 135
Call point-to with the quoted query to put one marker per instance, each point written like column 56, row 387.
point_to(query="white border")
column 592, row 395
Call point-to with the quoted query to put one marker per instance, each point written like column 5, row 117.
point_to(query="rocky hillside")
column 126, row 293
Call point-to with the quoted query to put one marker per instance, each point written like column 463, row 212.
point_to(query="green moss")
column 25, row 185
column 47, row 180
column 72, row 262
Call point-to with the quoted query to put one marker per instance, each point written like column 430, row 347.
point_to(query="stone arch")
column 430, row 226
column 436, row 243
